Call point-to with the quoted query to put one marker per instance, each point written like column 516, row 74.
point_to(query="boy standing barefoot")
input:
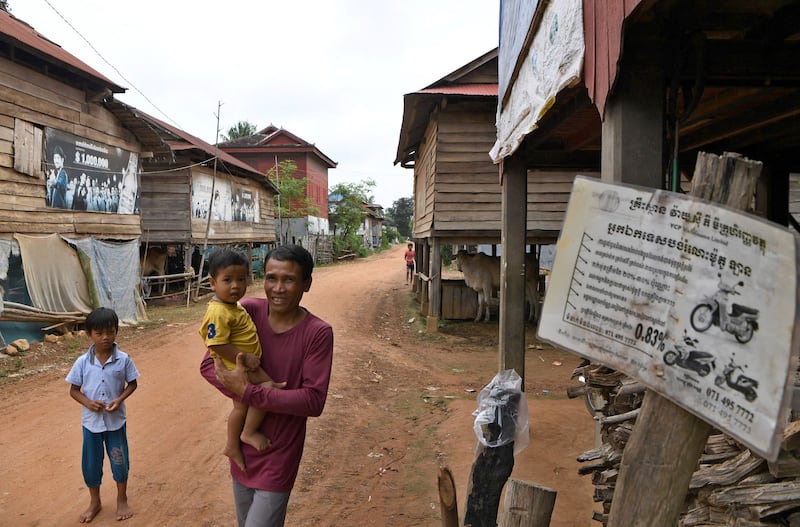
column 409, row 256
column 100, row 380
column 228, row 330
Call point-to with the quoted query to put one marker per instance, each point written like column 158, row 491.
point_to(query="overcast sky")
column 332, row 72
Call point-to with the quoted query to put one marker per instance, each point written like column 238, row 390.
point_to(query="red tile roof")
column 24, row 36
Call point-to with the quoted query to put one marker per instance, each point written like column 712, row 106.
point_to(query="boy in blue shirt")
column 101, row 379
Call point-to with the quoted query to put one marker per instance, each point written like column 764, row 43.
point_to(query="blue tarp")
column 115, row 273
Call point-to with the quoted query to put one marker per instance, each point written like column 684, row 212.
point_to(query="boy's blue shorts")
column 116, row 445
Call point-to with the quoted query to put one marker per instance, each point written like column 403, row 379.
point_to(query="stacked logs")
column 14, row 312
column 732, row 486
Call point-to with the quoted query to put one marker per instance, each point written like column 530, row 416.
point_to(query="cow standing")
column 482, row 274
column 154, row 263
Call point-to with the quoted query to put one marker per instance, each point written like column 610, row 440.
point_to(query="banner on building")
column 232, row 201
column 86, row 175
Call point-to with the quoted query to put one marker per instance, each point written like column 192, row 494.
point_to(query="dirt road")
column 399, row 407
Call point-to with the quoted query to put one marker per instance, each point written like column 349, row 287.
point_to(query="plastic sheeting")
column 53, row 274
column 5, row 252
column 502, row 414
column 553, row 62
column 115, row 274
column 65, row 275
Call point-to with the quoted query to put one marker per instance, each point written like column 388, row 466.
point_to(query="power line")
column 109, row 63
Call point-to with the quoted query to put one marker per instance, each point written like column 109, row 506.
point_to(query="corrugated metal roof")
column 487, row 90
column 178, row 140
column 21, row 34
column 467, row 81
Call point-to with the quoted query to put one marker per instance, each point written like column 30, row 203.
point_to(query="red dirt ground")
column 399, row 407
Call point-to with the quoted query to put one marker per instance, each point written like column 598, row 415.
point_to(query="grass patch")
column 17, row 364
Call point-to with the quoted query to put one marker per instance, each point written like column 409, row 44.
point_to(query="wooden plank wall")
column 548, row 197
column 602, row 28
column 30, row 101
column 424, row 173
column 459, row 302
column 457, row 187
column 166, row 205
column 467, row 185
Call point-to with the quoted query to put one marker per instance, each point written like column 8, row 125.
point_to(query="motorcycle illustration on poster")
column 694, row 300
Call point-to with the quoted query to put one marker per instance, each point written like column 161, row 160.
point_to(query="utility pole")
column 210, row 203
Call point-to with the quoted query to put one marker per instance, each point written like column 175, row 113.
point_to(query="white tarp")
column 5, row 252
column 696, row 301
column 553, row 62
column 53, row 274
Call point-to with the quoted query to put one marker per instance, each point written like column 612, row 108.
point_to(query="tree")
column 239, row 130
column 292, row 202
column 346, row 211
column 401, row 212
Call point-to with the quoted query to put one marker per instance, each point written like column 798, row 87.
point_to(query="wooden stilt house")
column 51, row 103
column 68, row 171
column 447, row 131
column 652, row 85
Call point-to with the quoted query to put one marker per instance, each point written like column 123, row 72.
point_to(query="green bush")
column 348, row 244
column 446, row 251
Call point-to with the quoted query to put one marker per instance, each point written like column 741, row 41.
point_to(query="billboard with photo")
column 86, row 175
column 232, row 202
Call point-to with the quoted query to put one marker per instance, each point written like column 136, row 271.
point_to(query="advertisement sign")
column 232, row 202
column 85, row 175
column 694, row 300
column 244, row 204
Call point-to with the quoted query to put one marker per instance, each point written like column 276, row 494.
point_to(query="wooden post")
column 421, row 268
column 667, row 441
column 447, row 498
column 435, row 287
column 512, row 266
column 489, row 474
column 527, row 505
column 418, row 263
column 632, row 131
column 493, row 464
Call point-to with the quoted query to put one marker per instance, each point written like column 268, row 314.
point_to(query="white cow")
column 482, row 274
column 532, row 284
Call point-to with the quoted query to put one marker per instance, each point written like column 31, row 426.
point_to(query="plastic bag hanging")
column 502, row 414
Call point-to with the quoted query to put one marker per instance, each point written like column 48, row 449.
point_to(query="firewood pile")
column 732, row 486
column 14, row 312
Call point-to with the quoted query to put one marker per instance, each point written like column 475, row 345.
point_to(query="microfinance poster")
column 694, row 300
